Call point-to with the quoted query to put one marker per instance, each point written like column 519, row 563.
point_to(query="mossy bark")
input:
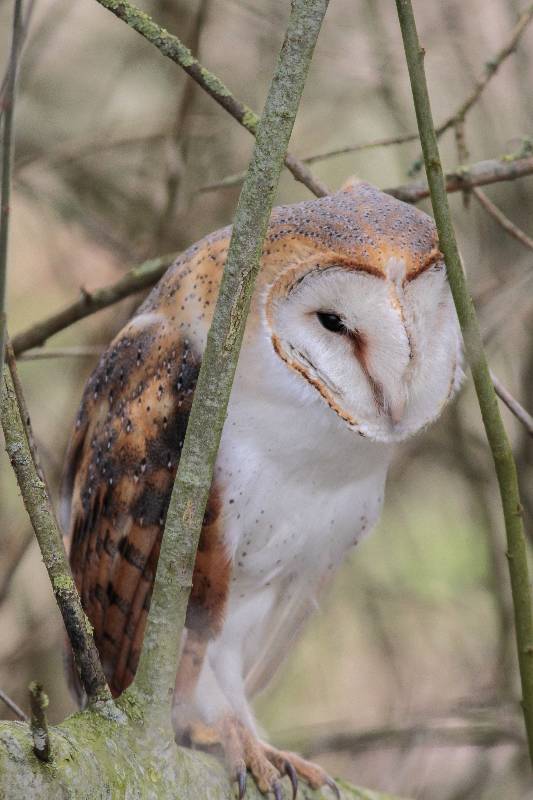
column 39, row 507
column 95, row 758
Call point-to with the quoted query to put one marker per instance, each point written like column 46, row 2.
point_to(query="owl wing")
column 119, row 474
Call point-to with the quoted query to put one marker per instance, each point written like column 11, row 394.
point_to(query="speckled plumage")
column 305, row 449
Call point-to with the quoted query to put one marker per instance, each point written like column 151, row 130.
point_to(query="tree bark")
column 98, row 759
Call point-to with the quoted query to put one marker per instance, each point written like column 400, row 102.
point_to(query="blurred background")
column 405, row 681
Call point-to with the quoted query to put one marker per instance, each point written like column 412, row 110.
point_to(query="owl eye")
column 331, row 322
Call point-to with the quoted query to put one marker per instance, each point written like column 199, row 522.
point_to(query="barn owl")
column 351, row 346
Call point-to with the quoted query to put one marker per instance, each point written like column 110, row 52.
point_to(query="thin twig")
column 13, row 706
column 137, row 279
column 479, row 174
column 25, row 415
column 502, row 219
column 79, row 351
column 180, row 136
column 147, row 274
column 75, row 151
column 8, row 105
column 22, row 38
column 40, row 510
column 492, row 65
column 39, row 723
column 461, row 179
column 403, row 138
column 174, row 49
column 491, row 68
column 494, row 428
column 10, row 570
column 156, row 673
column 513, row 405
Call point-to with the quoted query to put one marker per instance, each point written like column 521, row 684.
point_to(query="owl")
column 351, row 346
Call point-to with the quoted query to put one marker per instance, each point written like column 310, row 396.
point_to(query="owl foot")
column 244, row 753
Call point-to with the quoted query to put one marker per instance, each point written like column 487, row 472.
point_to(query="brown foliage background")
column 412, row 649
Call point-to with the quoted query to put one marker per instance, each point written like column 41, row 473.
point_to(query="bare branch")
column 174, row 49
column 513, row 405
column 495, row 431
column 491, row 68
column 480, row 174
column 357, row 148
column 79, row 351
column 24, row 27
column 139, row 278
column 462, row 178
column 13, row 706
column 8, row 105
column 502, row 219
column 40, row 511
column 14, row 561
column 39, row 723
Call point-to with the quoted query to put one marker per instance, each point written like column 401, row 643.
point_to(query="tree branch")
column 40, row 511
column 8, row 105
column 479, row 174
column 5, row 698
column 147, row 274
column 157, row 667
column 137, row 279
column 491, row 68
column 174, row 49
column 39, row 723
column 496, row 435
column 513, row 405
column 85, row 766
column 502, row 220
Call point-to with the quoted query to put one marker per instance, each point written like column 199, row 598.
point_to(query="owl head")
column 357, row 306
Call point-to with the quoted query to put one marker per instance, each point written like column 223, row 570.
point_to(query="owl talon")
column 334, row 788
column 276, row 788
column 241, row 781
column 293, row 777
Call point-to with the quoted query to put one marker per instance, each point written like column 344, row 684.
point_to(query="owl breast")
column 299, row 490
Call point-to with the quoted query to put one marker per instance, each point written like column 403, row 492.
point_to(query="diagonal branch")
column 157, row 667
column 479, row 174
column 492, row 209
column 174, row 49
column 137, row 279
column 5, row 698
column 8, row 106
column 40, row 511
column 491, row 68
column 513, row 405
column 499, row 444
column 482, row 173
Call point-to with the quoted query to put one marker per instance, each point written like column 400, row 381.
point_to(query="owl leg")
column 244, row 753
column 187, row 676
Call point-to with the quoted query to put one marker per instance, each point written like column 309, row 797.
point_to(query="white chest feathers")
column 299, row 487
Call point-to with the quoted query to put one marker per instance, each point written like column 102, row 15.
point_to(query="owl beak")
column 397, row 409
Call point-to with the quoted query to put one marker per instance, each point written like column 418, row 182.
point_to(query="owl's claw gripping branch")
column 293, row 777
column 241, row 781
column 245, row 753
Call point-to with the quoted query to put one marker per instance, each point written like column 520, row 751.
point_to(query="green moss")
column 130, row 705
column 213, row 83
column 63, row 583
column 250, row 120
